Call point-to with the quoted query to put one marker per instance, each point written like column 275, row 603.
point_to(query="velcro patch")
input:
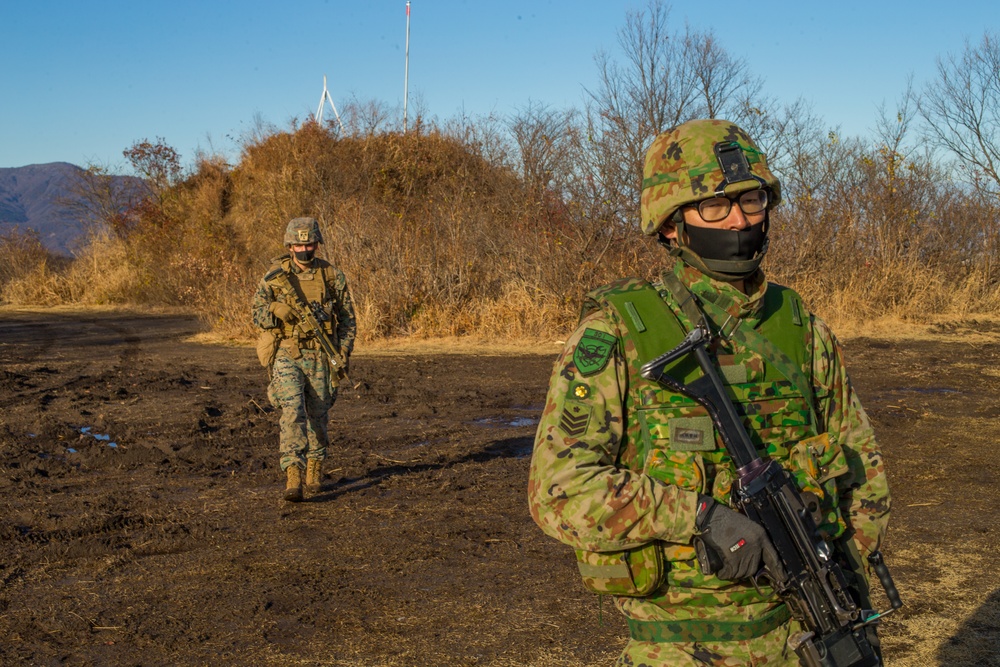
column 593, row 351
column 735, row 374
column 692, row 434
column 575, row 418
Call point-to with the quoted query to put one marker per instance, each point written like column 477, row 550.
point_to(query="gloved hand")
column 283, row 312
column 730, row 545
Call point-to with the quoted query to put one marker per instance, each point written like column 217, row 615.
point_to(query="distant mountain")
column 35, row 197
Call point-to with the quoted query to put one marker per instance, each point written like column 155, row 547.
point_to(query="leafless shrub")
column 962, row 110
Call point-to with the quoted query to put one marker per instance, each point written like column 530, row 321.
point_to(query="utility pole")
column 406, row 70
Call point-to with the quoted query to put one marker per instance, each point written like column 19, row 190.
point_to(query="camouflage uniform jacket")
column 604, row 476
column 320, row 282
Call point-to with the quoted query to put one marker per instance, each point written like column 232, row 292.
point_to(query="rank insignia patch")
column 593, row 351
column 581, row 391
column 575, row 418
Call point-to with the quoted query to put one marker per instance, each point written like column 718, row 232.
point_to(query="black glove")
column 730, row 545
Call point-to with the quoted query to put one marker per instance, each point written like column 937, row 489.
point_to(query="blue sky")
column 81, row 81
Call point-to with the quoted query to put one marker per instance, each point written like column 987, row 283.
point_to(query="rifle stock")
column 813, row 585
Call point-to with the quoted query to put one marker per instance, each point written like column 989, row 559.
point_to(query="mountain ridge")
column 39, row 197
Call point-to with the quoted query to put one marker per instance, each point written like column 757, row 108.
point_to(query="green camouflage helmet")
column 302, row 231
column 682, row 167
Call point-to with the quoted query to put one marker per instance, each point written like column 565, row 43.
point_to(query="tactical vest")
column 671, row 438
column 314, row 287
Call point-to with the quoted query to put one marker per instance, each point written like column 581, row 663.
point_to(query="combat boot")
column 314, row 473
column 293, row 485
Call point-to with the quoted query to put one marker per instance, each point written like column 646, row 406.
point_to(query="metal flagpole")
column 406, row 71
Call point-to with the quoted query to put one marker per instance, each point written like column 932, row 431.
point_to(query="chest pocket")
column 675, row 439
column 775, row 414
column 313, row 286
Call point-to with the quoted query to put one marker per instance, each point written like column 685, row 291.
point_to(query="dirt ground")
column 141, row 521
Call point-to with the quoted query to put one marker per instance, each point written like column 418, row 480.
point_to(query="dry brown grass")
column 960, row 599
column 437, row 242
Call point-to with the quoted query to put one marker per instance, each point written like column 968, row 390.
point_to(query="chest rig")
column 765, row 367
column 313, row 287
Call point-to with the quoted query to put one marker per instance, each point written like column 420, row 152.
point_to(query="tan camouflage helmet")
column 301, row 231
column 682, row 167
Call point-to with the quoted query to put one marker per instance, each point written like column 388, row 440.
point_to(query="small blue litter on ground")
column 98, row 436
column 70, row 450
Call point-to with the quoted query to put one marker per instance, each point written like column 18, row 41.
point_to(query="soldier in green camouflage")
column 303, row 382
column 628, row 472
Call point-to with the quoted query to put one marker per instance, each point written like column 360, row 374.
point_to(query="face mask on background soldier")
column 304, row 253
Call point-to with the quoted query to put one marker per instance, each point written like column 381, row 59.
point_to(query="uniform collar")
column 295, row 268
column 747, row 308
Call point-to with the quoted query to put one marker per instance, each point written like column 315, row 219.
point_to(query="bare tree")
column 364, row 118
column 485, row 134
column 962, row 110
column 665, row 78
column 891, row 127
column 101, row 199
column 652, row 90
column 725, row 86
column 546, row 140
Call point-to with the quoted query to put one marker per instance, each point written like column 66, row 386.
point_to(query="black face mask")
column 304, row 256
column 727, row 245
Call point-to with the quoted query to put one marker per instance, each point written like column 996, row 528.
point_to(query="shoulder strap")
column 749, row 337
column 654, row 333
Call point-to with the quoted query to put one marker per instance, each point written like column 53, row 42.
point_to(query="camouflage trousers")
column 301, row 389
column 770, row 649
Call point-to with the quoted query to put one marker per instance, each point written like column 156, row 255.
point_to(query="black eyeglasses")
column 718, row 208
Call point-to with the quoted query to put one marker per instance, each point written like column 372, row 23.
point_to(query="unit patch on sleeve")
column 593, row 351
column 575, row 418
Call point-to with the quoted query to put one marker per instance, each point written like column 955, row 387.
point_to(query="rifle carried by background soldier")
column 304, row 310
column 810, row 582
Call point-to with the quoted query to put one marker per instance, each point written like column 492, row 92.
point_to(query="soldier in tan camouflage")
column 303, row 382
column 628, row 472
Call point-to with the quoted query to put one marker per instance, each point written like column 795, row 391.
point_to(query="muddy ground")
column 141, row 520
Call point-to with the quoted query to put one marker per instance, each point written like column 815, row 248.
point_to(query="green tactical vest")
column 671, row 438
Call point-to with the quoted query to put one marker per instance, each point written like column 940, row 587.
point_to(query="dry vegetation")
column 436, row 241
column 439, row 242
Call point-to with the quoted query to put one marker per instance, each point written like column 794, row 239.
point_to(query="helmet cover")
column 682, row 167
column 303, row 231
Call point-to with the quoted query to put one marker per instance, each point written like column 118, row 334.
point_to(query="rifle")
column 813, row 585
column 312, row 315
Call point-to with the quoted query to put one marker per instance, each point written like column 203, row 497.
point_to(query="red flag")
column 407, row 9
